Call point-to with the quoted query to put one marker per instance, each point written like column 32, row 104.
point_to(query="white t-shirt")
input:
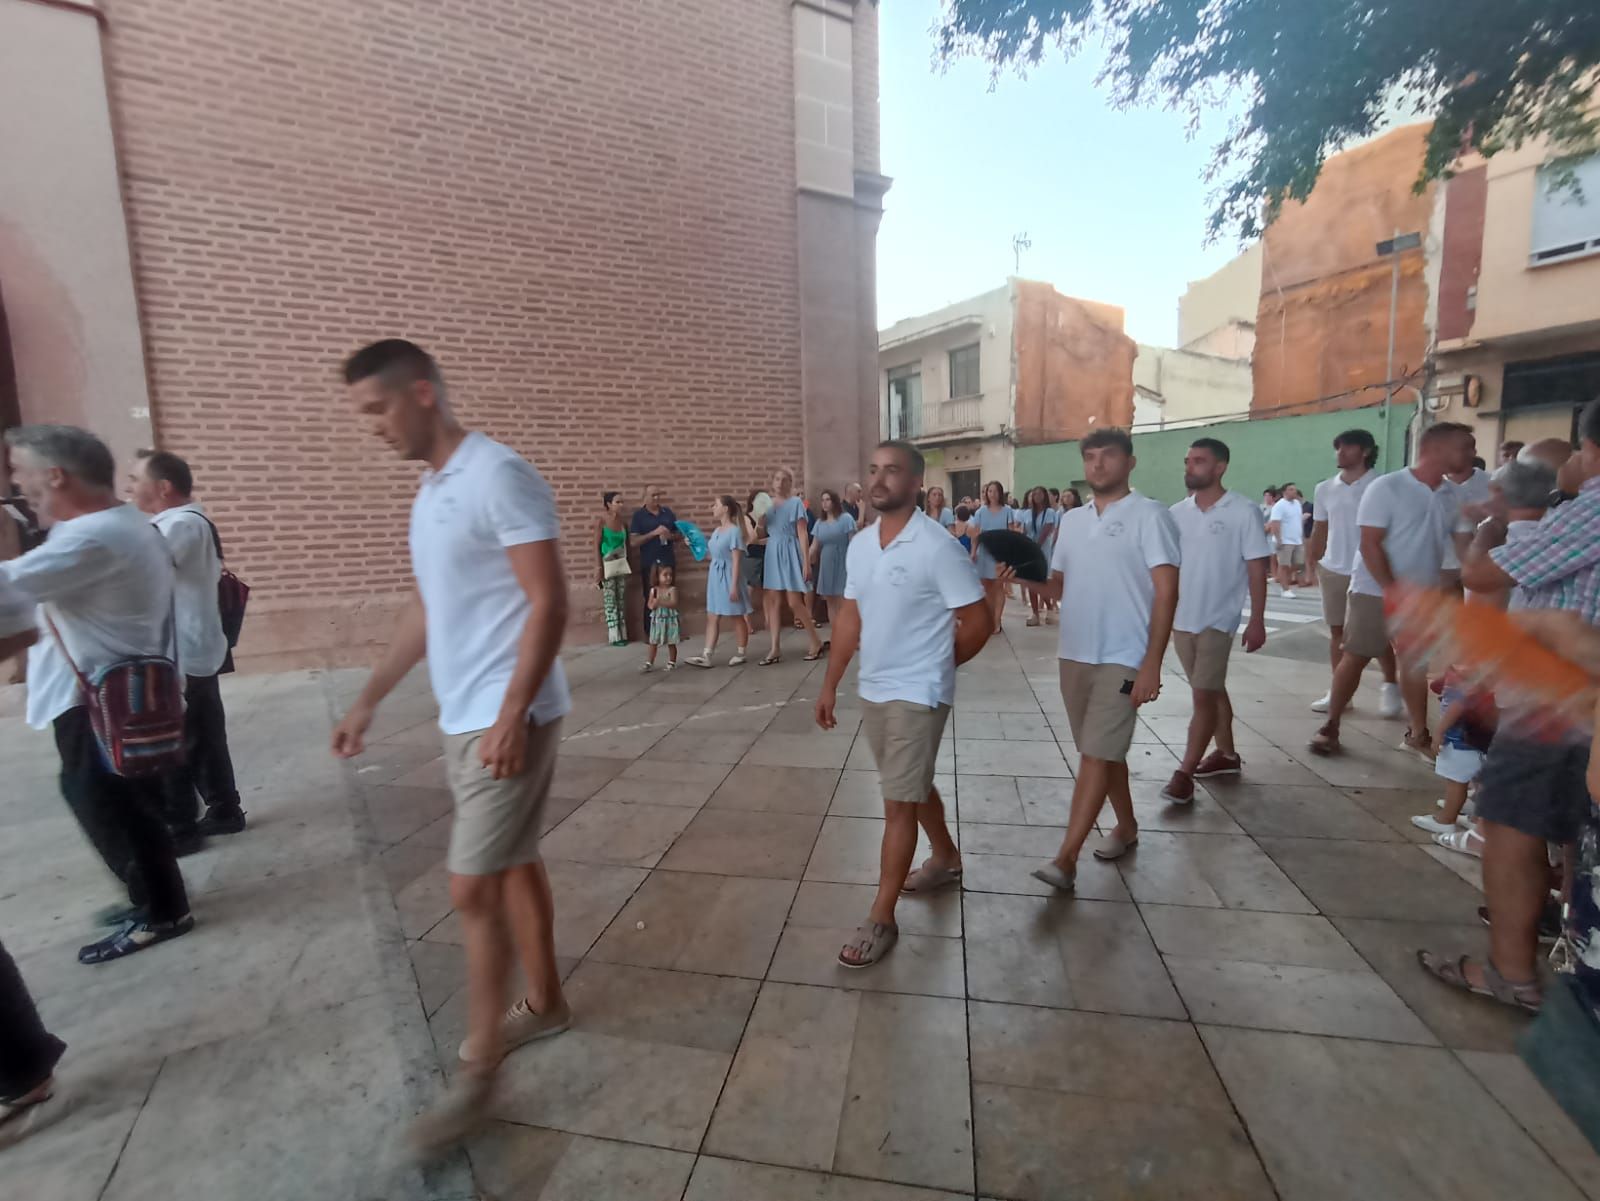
column 1291, row 522
column 485, row 499
column 1416, row 521
column 1475, row 491
column 908, row 592
column 202, row 646
column 1216, row 543
column 1337, row 503
column 16, row 610
column 107, row 580
column 1105, row 561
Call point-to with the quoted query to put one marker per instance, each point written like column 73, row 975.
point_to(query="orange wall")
column 1323, row 325
column 1074, row 366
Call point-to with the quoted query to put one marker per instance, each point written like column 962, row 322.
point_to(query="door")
column 964, row 483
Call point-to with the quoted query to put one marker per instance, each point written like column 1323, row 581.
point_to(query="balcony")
column 941, row 419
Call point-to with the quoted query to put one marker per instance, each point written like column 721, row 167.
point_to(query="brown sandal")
column 1527, row 996
column 1326, row 741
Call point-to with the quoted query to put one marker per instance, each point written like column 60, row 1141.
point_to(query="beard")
column 1195, row 483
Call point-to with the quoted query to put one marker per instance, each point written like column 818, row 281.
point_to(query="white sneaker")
column 1389, row 702
column 1321, row 705
column 1288, row 595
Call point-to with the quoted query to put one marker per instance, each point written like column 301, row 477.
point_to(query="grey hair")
column 77, row 452
column 1526, row 483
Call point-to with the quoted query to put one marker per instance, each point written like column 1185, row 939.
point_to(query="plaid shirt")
column 1557, row 566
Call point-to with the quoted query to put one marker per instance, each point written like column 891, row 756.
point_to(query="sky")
column 1114, row 202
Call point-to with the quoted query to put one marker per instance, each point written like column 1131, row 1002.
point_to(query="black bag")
column 233, row 594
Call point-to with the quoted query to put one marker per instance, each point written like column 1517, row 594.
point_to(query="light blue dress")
column 834, row 536
column 987, row 519
column 947, row 517
column 785, row 572
column 1041, row 526
column 719, row 548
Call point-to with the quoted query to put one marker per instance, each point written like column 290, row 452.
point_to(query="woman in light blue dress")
column 787, row 571
column 830, row 543
column 993, row 514
column 1040, row 520
column 727, row 594
column 938, row 508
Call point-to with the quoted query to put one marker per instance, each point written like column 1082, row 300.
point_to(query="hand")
column 808, row 571
column 1007, row 575
column 349, row 736
column 733, row 594
column 504, row 747
column 1438, row 742
column 1146, row 685
column 1255, row 636
column 824, row 710
column 662, row 530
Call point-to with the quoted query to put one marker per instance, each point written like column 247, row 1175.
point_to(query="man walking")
column 1115, row 574
column 1225, row 554
column 914, row 606
column 1406, row 520
column 162, row 485
column 1286, row 524
column 489, row 612
column 852, row 502
column 1335, row 537
column 105, row 580
column 652, row 531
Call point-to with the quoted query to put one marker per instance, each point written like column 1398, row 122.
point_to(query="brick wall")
column 586, row 211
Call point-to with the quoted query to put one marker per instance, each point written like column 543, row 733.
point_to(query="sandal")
column 21, row 1116
column 930, row 876
column 739, row 659
column 818, row 653
column 135, row 936
column 1326, row 741
column 770, row 660
column 1527, row 996
column 1466, row 842
column 871, row 943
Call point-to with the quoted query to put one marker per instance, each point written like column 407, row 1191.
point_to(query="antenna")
column 1019, row 243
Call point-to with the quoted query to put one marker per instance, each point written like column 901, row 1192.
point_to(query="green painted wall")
column 1270, row 451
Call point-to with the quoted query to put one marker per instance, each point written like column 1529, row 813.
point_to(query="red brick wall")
column 1466, row 198
column 586, row 211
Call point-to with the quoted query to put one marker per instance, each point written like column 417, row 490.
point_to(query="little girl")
column 663, row 616
column 1466, row 727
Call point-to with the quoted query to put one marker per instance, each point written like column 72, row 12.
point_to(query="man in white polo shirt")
column 489, row 612
column 1225, row 554
column 1335, row 538
column 1286, row 524
column 1406, row 518
column 1115, row 572
column 914, row 605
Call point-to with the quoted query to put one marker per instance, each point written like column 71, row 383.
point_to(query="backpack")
column 233, row 594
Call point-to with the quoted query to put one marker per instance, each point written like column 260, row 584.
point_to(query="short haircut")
column 963, row 513
column 77, row 452
column 396, row 362
column 1512, row 445
column 164, row 465
column 1217, row 447
column 1589, row 422
column 1363, row 439
column 1526, row 483
column 1109, row 436
column 912, row 454
column 607, row 497
column 1446, row 429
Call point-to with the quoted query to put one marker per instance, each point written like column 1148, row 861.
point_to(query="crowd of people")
column 913, row 593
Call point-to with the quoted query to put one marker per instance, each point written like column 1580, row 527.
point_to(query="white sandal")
column 700, row 660
column 739, row 659
column 1466, row 842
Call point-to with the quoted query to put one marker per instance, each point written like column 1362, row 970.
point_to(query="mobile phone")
column 1127, row 688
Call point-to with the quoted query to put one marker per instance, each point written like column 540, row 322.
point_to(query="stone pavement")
column 1232, row 1012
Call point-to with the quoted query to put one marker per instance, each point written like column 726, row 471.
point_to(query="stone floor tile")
column 404, row 862
column 1373, row 879
column 513, row 1161
column 817, row 749
column 1325, row 1112
column 1394, row 807
column 731, row 1180
column 685, row 1009
column 921, row 964
column 758, row 788
column 398, row 812
column 1208, row 869
column 696, row 743
column 581, row 776
column 1151, row 761
column 1046, row 802
column 907, row 1113
column 991, row 799
column 727, row 925
column 1066, row 954
column 730, row 842
column 630, row 790
column 1250, row 937
column 428, row 774
column 1510, row 1082
column 1203, row 815
column 625, row 835
column 425, row 901
column 1271, row 767
column 441, row 970
column 787, row 1086
column 848, row 850
column 650, row 767
column 587, row 897
column 1468, row 868
column 1033, row 842
column 820, row 903
column 1097, row 880
column 1320, row 811
column 980, row 757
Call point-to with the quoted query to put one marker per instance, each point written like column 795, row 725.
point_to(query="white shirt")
column 202, row 646
column 1291, row 519
column 108, row 581
column 1337, row 503
column 907, row 593
column 486, row 498
column 1416, row 521
column 16, row 610
column 1475, row 491
column 1215, row 544
column 1105, row 561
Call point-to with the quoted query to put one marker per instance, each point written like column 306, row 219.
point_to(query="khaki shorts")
column 1366, row 632
column 1292, row 556
column 1204, row 657
column 1100, row 713
column 904, row 739
column 496, row 824
column 1335, row 597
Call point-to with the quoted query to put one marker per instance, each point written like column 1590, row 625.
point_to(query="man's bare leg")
column 480, row 902
column 1516, row 879
column 894, row 858
column 1088, row 798
column 1120, row 794
column 530, row 907
column 1336, row 647
column 1414, row 691
column 1202, row 727
column 1224, row 726
column 930, row 816
column 1388, row 665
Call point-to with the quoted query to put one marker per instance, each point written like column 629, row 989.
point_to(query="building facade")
column 635, row 264
column 1217, row 314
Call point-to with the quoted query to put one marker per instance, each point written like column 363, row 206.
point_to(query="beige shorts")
column 1100, row 713
column 904, row 739
column 1335, row 596
column 1366, row 633
column 496, row 822
column 1292, row 556
column 1204, row 657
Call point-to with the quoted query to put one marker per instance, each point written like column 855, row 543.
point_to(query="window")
column 964, row 371
column 1546, row 383
column 1566, row 224
column 905, row 401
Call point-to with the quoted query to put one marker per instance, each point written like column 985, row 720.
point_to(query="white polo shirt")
column 1291, row 521
column 1474, row 491
column 1416, row 521
column 485, row 499
column 1105, row 561
column 1215, row 545
column 907, row 593
column 107, row 578
column 1337, row 503
column 202, row 646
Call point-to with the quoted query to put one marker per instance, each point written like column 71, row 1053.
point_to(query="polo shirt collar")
column 908, row 534
column 1100, row 514
column 459, row 458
